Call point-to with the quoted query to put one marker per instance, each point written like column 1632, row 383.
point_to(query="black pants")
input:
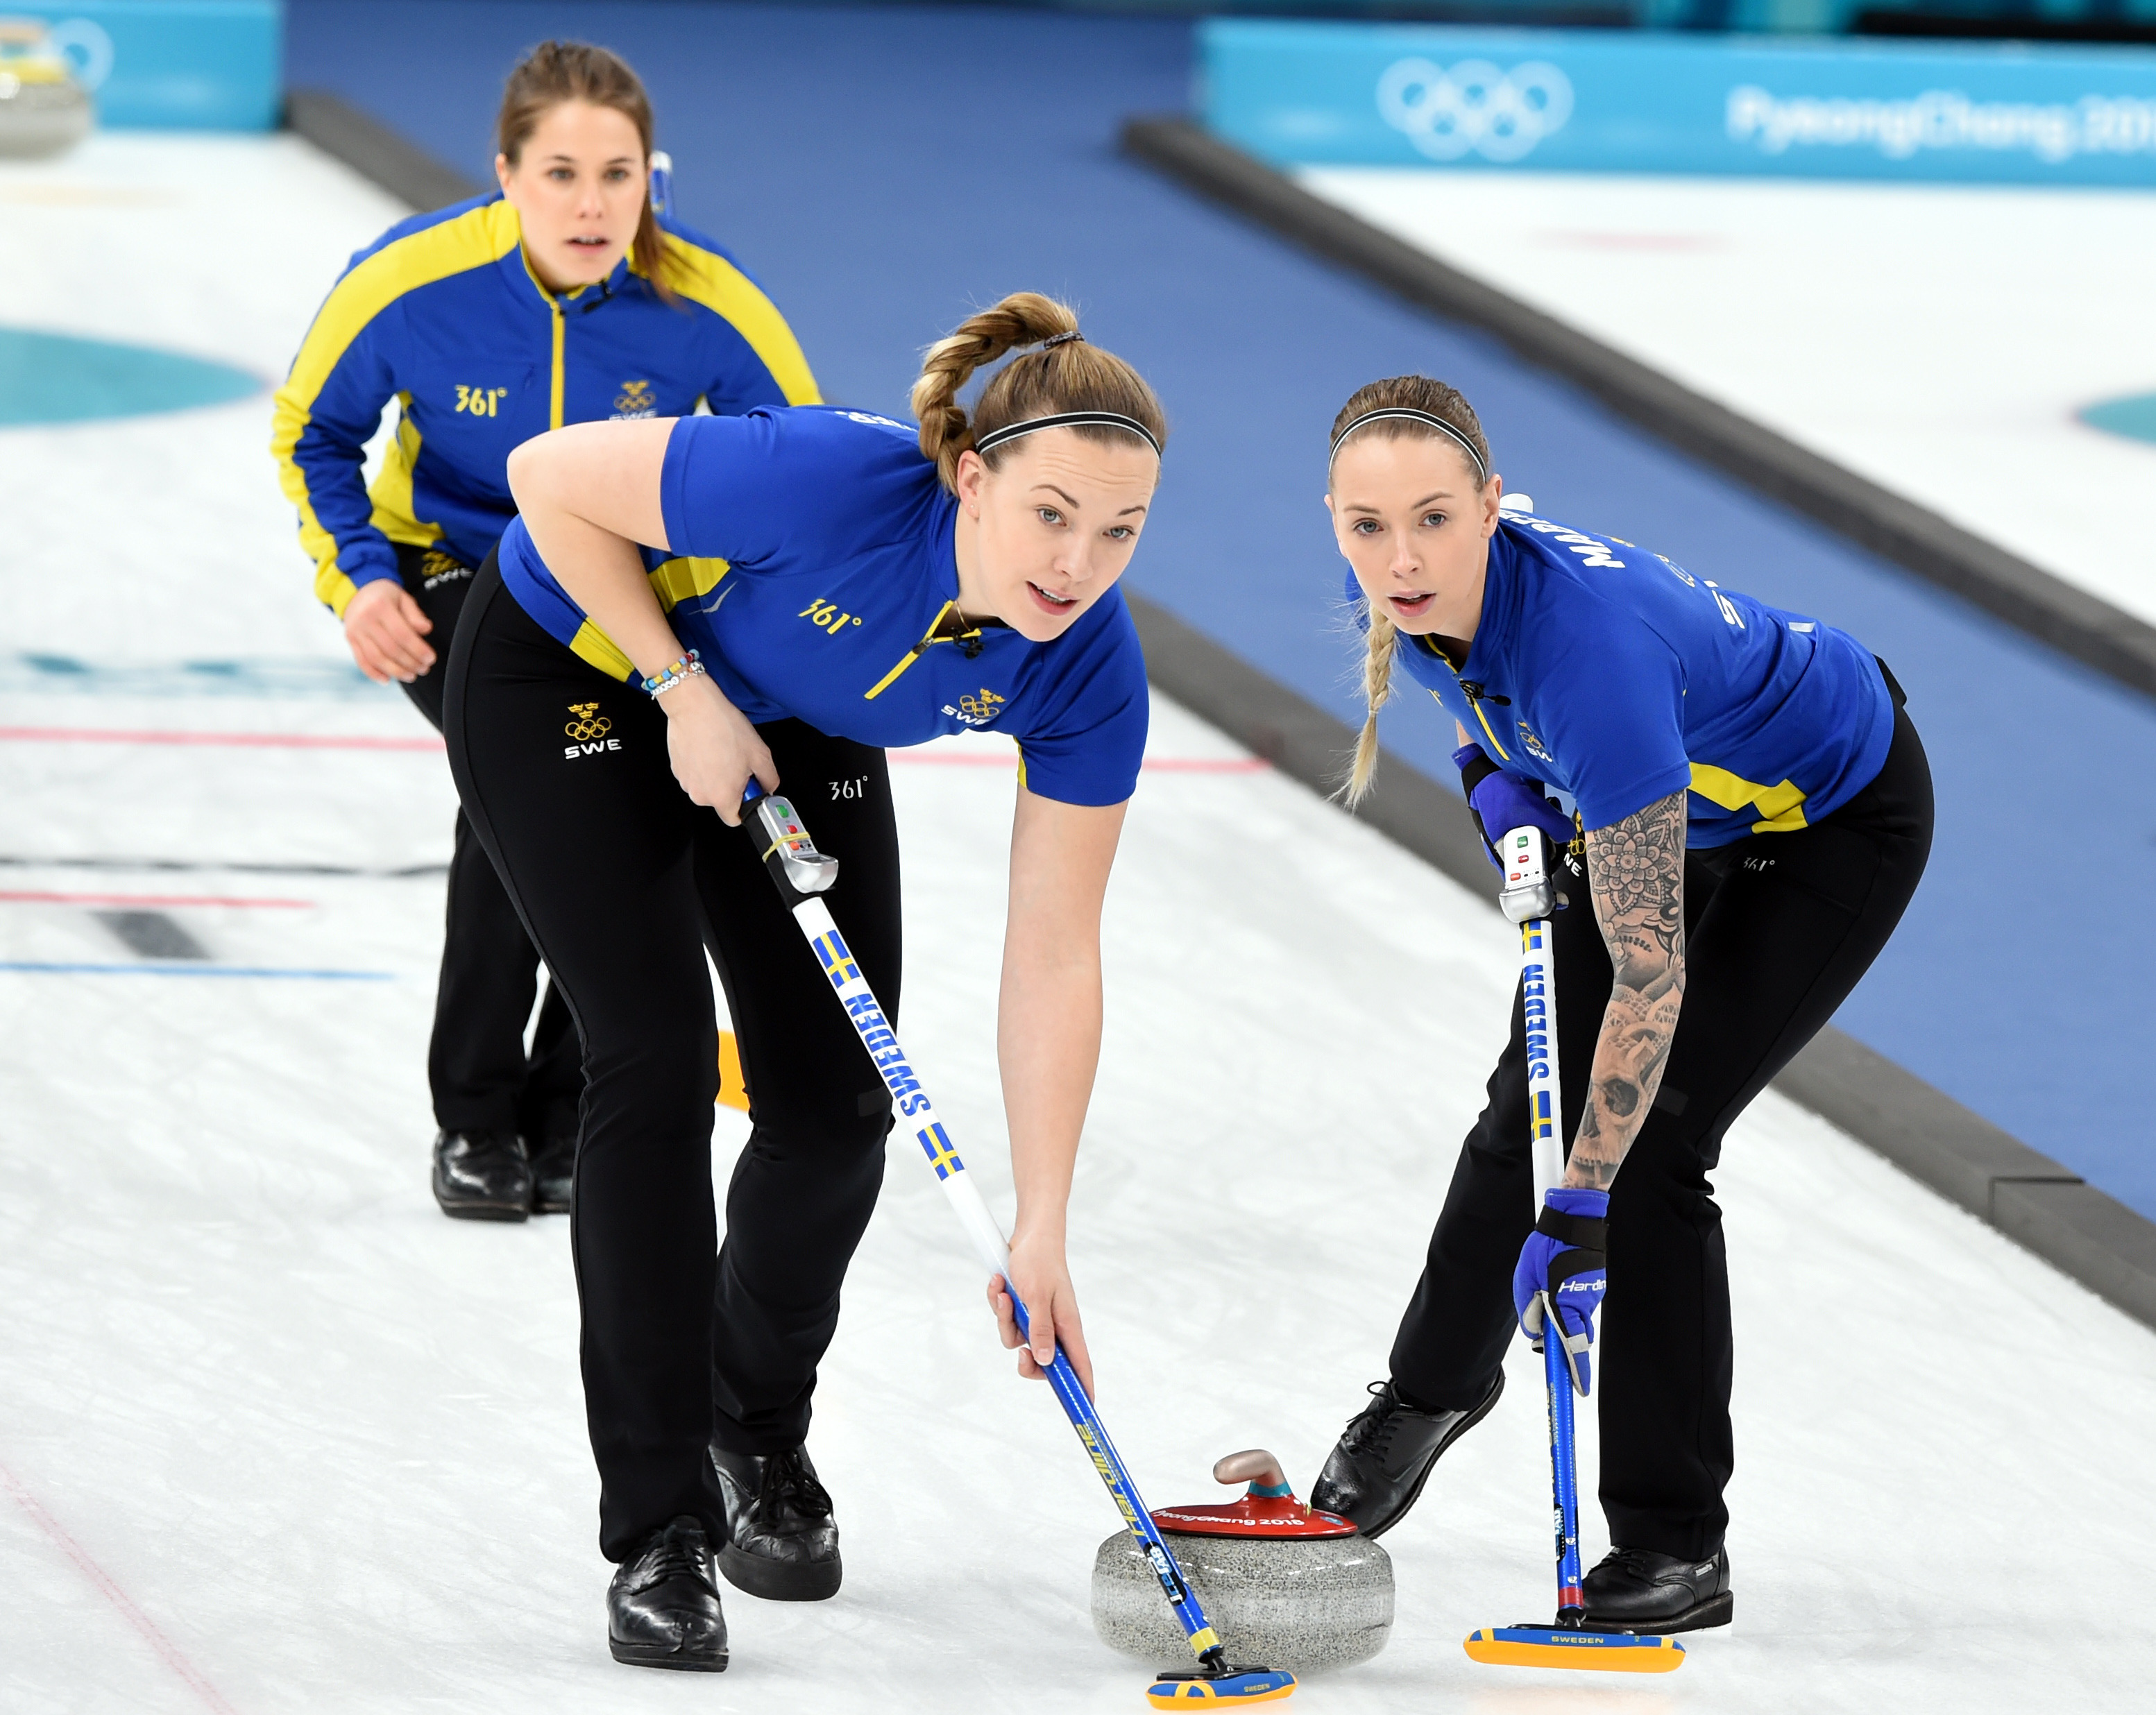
column 1779, row 928
column 477, row 1069
column 625, row 884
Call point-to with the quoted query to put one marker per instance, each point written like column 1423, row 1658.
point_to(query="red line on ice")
column 150, row 900
column 167, row 1651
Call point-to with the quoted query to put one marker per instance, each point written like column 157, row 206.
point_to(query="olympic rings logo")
column 584, row 727
column 1498, row 115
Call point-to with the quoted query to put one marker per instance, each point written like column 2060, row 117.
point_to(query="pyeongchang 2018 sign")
column 1323, row 94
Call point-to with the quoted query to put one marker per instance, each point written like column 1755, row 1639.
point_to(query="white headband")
column 1067, row 419
column 1409, row 413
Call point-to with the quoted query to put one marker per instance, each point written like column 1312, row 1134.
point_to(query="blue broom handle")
column 915, row 1113
column 1564, row 1479
column 1093, row 1437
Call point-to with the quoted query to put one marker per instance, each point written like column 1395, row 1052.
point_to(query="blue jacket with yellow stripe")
column 443, row 315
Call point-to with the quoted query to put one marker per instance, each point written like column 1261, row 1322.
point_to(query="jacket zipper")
column 973, row 636
column 1473, row 695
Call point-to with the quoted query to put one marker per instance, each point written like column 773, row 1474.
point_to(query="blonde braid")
column 1377, row 691
column 1022, row 319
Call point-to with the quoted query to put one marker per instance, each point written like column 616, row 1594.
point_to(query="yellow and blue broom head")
column 1206, row 1691
column 1573, row 1647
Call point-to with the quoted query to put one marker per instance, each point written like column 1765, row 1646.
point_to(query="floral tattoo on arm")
column 1635, row 871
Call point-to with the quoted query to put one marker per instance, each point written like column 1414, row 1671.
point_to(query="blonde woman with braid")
column 1755, row 811
column 793, row 589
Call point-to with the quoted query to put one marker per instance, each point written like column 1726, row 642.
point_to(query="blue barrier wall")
column 174, row 65
column 1619, row 102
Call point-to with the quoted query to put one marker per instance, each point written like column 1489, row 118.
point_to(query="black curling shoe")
column 782, row 1543
column 663, row 1606
column 1636, row 1590
column 554, row 1175
column 1385, row 1455
column 482, row 1175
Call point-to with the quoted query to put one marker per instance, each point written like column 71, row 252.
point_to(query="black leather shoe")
column 554, row 1175
column 482, row 1175
column 1384, row 1457
column 782, row 1543
column 1636, row 1590
column 663, row 1606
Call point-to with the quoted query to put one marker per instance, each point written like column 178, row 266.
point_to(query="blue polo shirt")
column 811, row 562
column 1620, row 678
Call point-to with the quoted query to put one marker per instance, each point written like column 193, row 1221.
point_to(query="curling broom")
column 662, row 183
column 803, row 875
column 1530, row 899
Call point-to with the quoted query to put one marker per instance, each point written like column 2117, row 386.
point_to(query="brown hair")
column 1414, row 393
column 1072, row 375
column 555, row 71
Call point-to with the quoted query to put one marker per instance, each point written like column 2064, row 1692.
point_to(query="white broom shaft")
column 916, row 1111
column 1526, row 868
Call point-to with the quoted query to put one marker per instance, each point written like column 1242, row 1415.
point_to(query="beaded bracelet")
column 679, row 673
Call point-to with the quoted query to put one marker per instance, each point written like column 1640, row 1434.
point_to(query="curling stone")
column 1282, row 1584
column 42, row 109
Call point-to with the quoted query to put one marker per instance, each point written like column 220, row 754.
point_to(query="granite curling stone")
column 1282, row 1584
column 42, row 109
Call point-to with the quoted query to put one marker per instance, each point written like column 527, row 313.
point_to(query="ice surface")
column 275, row 1437
column 1936, row 338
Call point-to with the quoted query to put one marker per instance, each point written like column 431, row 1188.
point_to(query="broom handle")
column 1530, row 900
column 803, row 875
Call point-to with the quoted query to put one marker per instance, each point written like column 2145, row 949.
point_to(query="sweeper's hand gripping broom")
column 803, row 875
column 1530, row 899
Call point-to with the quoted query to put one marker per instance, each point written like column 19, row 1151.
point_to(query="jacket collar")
column 516, row 265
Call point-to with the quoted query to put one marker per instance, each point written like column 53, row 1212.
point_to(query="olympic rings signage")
column 1499, row 115
column 1485, row 100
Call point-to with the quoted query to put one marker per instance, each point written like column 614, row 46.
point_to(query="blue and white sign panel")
column 1361, row 94
column 170, row 64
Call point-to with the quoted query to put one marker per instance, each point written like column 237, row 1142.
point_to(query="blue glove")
column 1566, row 1256
column 1500, row 801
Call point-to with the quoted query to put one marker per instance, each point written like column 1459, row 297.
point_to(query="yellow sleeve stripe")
column 684, row 579
column 712, row 281
column 473, row 240
column 1781, row 808
column 394, row 515
column 676, row 580
column 595, row 646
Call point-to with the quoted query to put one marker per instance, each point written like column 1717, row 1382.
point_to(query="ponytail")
column 1069, row 376
column 1384, row 638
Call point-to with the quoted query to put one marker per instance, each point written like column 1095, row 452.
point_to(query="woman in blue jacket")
column 795, row 590
column 1757, row 812
column 565, row 298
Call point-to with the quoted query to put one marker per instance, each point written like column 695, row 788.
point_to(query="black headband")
column 1411, row 415
column 1068, row 419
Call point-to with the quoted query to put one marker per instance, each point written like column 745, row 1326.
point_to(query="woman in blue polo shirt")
column 565, row 297
column 795, row 589
column 1757, row 812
